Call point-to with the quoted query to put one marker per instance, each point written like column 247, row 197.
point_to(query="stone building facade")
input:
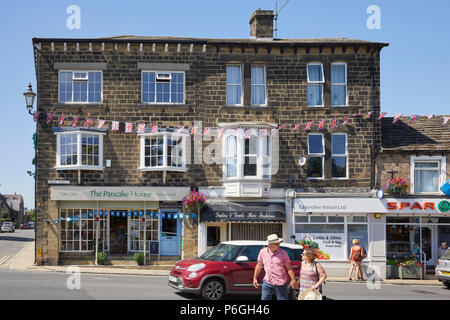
column 291, row 69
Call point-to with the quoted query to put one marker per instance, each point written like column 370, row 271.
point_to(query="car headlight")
column 192, row 275
column 196, row 267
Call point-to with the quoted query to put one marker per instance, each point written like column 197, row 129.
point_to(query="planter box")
column 414, row 272
column 392, row 272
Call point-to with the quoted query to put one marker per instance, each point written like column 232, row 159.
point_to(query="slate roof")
column 14, row 201
column 169, row 39
column 422, row 135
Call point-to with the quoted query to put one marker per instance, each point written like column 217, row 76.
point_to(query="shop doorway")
column 170, row 234
column 118, row 235
column 428, row 243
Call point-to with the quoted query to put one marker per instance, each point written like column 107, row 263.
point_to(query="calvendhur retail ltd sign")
column 75, row 193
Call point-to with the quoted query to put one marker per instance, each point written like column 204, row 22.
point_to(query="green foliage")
column 139, row 258
column 101, row 257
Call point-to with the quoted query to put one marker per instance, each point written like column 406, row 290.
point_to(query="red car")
column 227, row 268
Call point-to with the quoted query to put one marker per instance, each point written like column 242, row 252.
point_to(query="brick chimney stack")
column 261, row 24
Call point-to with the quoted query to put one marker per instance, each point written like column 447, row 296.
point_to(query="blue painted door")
column 170, row 234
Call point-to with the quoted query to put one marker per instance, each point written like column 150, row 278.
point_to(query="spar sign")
column 419, row 206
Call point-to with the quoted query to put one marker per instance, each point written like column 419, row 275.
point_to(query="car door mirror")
column 242, row 259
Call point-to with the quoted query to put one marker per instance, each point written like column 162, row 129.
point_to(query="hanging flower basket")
column 397, row 185
column 193, row 202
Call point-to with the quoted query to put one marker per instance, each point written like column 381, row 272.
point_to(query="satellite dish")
column 302, row 161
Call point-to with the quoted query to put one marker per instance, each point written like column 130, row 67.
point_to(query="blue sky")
column 415, row 68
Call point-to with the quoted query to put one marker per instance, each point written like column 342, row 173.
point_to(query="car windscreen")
column 222, row 252
column 446, row 255
column 294, row 254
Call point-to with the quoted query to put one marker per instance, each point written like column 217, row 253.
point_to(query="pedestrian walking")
column 442, row 249
column 312, row 274
column 277, row 267
column 357, row 254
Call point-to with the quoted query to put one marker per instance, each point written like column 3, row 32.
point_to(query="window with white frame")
column 315, row 84
column 234, row 84
column 247, row 157
column 333, row 233
column 258, row 85
column 163, row 87
column 136, row 230
column 338, row 84
column 79, row 150
column 77, row 229
column 339, row 155
column 428, row 173
column 316, row 154
column 165, row 151
column 80, row 86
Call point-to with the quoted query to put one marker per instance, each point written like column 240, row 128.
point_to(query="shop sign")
column 370, row 205
column 444, row 206
column 75, row 193
column 226, row 216
column 405, row 205
column 331, row 245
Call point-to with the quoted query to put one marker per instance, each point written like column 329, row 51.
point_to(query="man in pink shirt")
column 277, row 267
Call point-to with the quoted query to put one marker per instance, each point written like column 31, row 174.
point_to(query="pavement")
column 24, row 261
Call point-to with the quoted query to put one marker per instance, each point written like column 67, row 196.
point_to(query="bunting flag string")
column 101, row 123
column 128, row 127
column 382, row 115
column 115, row 126
column 412, row 119
column 397, row 117
column 141, row 127
column 124, row 214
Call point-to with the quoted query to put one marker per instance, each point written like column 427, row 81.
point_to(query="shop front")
column 415, row 228
column 387, row 228
column 227, row 220
column 120, row 220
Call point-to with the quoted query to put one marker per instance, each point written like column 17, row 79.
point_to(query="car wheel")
column 447, row 284
column 213, row 289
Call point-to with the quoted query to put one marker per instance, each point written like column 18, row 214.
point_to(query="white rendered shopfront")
column 334, row 222
column 123, row 220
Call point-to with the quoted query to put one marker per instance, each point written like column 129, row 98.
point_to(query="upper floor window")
column 162, row 87
column 338, row 84
column 428, row 173
column 80, row 86
column 339, row 155
column 258, row 85
column 316, row 154
column 234, row 85
column 315, row 84
column 165, row 151
column 79, row 150
column 247, row 157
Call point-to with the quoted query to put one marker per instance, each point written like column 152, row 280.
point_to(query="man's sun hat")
column 309, row 294
column 273, row 238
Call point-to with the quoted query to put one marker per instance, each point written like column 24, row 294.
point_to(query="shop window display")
column 79, row 234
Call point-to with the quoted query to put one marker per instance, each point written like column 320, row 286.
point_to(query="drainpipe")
column 372, row 102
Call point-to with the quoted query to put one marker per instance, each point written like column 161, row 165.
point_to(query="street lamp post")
column 30, row 95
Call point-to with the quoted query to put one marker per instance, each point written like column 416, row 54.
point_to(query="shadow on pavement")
column 18, row 239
